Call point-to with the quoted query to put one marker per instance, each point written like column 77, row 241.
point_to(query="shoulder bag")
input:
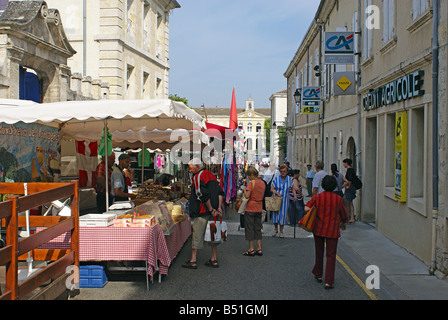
column 244, row 201
column 308, row 221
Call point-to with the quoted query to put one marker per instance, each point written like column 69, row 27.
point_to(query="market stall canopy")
column 211, row 127
column 76, row 119
column 157, row 139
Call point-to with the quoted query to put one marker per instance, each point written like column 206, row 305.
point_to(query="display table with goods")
column 149, row 233
column 149, row 190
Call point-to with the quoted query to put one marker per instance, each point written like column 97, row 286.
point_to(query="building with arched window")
column 250, row 120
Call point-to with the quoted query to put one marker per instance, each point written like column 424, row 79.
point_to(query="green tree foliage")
column 175, row 97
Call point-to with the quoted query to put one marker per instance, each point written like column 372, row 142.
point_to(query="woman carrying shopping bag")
column 331, row 216
column 252, row 217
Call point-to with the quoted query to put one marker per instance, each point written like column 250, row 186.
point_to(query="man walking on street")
column 309, row 180
column 317, row 181
column 205, row 201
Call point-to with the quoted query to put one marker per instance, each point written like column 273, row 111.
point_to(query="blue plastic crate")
column 92, row 276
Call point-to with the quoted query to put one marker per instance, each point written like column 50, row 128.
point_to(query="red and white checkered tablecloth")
column 127, row 244
column 177, row 238
column 119, row 244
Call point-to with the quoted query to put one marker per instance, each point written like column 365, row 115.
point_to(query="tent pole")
column 143, row 163
column 106, row 155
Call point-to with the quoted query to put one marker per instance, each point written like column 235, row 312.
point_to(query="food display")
column 177, row 214
column 154, row 203
column 123, row 220
column 151, row 191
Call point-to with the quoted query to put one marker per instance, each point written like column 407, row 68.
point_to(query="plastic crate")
column 97, row 220
column 92, row 276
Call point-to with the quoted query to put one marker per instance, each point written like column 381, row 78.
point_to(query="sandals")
column 249, row 253
column 190, row 265
column 212, row 263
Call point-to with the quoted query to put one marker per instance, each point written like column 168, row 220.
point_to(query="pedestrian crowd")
column 331, row 195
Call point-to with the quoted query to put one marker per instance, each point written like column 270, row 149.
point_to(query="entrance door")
column 369, row 189
column 29, row 86
column 351, row 153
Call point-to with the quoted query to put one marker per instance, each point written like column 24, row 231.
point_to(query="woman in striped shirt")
column 331, row 216
column 280, row 187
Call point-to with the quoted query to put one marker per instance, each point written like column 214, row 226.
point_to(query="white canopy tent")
column 77, row 118
column 129, row 121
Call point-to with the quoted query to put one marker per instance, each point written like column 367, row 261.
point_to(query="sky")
column 216, row 45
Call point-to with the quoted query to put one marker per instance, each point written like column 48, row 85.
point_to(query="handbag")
column 244, row 201
column 309, row 220
column 273, row 203
column 216, row 231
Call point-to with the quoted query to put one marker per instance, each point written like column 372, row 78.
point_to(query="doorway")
column 30, row 86
column 369, row 190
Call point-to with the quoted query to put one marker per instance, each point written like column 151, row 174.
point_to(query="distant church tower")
column 249, row 104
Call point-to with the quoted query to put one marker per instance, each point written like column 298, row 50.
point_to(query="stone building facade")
column 330, row 136
column 33, row 42
column 397, row 118
column 122, row 42
column 279, row 103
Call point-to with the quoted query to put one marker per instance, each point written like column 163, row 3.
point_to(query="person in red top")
column 331, row 216
column 205, row 201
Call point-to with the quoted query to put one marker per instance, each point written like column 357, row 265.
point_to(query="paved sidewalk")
column 403, row 276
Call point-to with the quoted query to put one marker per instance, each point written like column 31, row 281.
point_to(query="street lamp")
column 297, row 96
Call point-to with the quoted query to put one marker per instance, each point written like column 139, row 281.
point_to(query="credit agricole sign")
column 404, row 88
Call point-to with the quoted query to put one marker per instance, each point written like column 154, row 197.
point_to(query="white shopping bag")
column 216, row 231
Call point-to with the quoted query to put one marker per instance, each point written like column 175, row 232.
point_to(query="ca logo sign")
column 373, row 281
column 373, row 14
column 311, row 93
column 341, row 42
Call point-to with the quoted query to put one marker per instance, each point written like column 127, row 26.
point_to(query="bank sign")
column 311, row 97
column 339, row 48
column 404, row 88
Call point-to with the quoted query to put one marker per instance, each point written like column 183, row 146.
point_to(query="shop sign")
column 344, row 83
column 401, row 156
column 311, row 97
column 339, row 48
column 404, row 88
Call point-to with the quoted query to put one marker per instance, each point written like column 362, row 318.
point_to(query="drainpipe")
column 320, row 86
column 359, row 101
column 435, row 131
